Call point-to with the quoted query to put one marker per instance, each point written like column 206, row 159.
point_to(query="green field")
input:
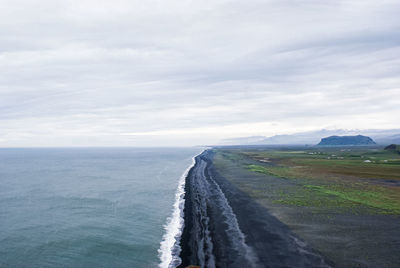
column 352, row 179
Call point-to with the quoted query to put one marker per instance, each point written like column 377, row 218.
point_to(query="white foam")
column 170, row 245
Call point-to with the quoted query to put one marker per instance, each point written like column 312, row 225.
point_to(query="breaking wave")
column 170, row 245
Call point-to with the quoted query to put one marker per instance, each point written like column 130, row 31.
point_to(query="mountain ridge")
column 380, row 136
column 346, row 140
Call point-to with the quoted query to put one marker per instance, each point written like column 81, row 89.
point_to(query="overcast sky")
column 149, row 73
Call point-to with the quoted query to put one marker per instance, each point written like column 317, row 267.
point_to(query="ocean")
column 90, row 207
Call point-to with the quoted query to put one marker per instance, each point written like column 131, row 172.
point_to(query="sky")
column 183, row 73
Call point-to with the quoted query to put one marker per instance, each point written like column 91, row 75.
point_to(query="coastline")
column 224, row 227
column 348, row 234
column 170, row 248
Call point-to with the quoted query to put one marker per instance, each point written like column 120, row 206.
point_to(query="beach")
column 224, row 227
column 235, row 217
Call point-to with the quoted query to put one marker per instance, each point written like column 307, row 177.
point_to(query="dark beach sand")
column 355, row 238
column 224, row 227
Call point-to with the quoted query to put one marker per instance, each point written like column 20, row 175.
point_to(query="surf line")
column 170, row 248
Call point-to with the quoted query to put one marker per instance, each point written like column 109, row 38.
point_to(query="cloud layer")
column 149, row 73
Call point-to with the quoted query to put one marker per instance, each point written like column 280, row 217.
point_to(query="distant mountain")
column 393, row 147
column 309, row 137
column 384, row 137
column 346, row 140
column 388, row 139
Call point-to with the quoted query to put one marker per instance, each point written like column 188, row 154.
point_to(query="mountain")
column 346, row 140
column 309, row 137
column 388, row 139
column 384, row 137
column 393, row 147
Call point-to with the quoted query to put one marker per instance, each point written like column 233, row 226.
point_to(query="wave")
column 170, row 244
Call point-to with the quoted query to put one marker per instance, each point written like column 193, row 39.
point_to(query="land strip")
column 344, row 202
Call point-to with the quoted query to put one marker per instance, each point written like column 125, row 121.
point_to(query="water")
column 87, row 207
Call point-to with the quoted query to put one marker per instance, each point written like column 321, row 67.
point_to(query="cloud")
column 76, row 73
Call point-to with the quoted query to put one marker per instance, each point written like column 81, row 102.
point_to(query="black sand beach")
column 348, row 233
column 224, row 227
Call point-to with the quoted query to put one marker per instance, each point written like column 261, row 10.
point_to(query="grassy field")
column 355, row 179
column 344, row 202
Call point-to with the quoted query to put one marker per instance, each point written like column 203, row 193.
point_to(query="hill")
column 393, row 147
column 346, row 140
column 380, row 136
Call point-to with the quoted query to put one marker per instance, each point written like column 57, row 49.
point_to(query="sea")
column 91, row 207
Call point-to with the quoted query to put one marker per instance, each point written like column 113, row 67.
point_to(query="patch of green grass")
column 278, row 171
column 259, row 169
column 368, row 198
column 344, row 182
column 233, row 156
column 358, row 168
column 306, row 197
column 332, row 195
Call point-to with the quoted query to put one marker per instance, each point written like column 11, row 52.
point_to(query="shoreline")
column 348, row 234
column 224, row 227
column 170, row 248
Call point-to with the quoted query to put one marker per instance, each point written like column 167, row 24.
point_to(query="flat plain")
column 342, row 201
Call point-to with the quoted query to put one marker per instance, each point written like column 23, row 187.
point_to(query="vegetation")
column 331, row 178
column 393, row 147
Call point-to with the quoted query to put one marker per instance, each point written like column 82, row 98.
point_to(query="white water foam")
column 170, row 245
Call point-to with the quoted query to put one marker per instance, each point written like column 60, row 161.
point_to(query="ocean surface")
column 89, row 207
